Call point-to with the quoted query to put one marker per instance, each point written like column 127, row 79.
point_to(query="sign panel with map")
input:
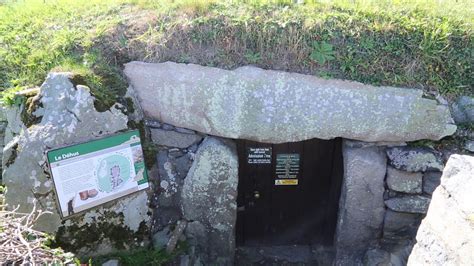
column 89, row 174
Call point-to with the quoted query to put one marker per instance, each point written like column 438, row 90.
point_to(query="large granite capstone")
column 276, row 107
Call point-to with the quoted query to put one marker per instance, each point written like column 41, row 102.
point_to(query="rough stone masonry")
column 192, row 113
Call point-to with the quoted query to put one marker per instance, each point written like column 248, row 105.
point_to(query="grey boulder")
column 276, row 107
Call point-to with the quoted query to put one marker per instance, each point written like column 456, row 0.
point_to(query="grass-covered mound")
column 411, row 43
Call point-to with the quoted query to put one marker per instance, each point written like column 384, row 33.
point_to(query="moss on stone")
column 109, row 226
column 13, row 155
column 129, row 105
column 99, row 87
column 31, row 104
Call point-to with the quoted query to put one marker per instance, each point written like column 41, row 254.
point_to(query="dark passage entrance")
column 288, row 193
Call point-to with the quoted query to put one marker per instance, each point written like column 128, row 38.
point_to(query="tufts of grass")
column 140, row 256
column 412, row 43
column 37, row 37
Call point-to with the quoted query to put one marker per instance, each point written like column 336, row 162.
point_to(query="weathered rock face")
column 361, row 207
column 431, row 181
column 173, row 138
column 209, row 200
column 404, row 181
column 410, row 204
column 275, row 107
column 446, row 235
column 400, row 225
column 463, row 110
column 68, row 117
column 414, row 159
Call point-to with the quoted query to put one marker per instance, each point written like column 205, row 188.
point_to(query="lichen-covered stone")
column 463, row 110
column 445, row 236
column 275, row 107
column 173, row 139
column 409, row 203
column 403, row 181
column 469, row 145
column 209, row 197
column 415, row 159
column 361, row 206
column 67, row 117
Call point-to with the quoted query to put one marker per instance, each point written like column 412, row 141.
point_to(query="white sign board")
column 89, row 174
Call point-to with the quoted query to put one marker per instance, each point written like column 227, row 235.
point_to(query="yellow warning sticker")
column 286, row 182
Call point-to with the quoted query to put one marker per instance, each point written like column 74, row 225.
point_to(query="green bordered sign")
column 90, row 174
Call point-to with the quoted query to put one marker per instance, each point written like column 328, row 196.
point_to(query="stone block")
column 160, row 239
column 431, row 181
column 409, row 203
column 400, row 225
column 403, row 181
column 414, row 159
column 362, row 208
column 463, row 110
column 469, row 146
column 173, row 139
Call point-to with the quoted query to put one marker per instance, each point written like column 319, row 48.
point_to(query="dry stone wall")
column 385, row 194
column 197, row 188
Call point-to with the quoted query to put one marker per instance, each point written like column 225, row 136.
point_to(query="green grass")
column 422, row 44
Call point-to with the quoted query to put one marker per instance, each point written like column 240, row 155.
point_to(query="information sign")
column 259, row 155
column 89, row 174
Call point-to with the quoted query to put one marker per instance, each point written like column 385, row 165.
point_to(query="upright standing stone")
column 209, row 201
column 361, row 207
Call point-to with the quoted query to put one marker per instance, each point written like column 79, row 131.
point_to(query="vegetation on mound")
column 404, row 44
column 411, row 43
